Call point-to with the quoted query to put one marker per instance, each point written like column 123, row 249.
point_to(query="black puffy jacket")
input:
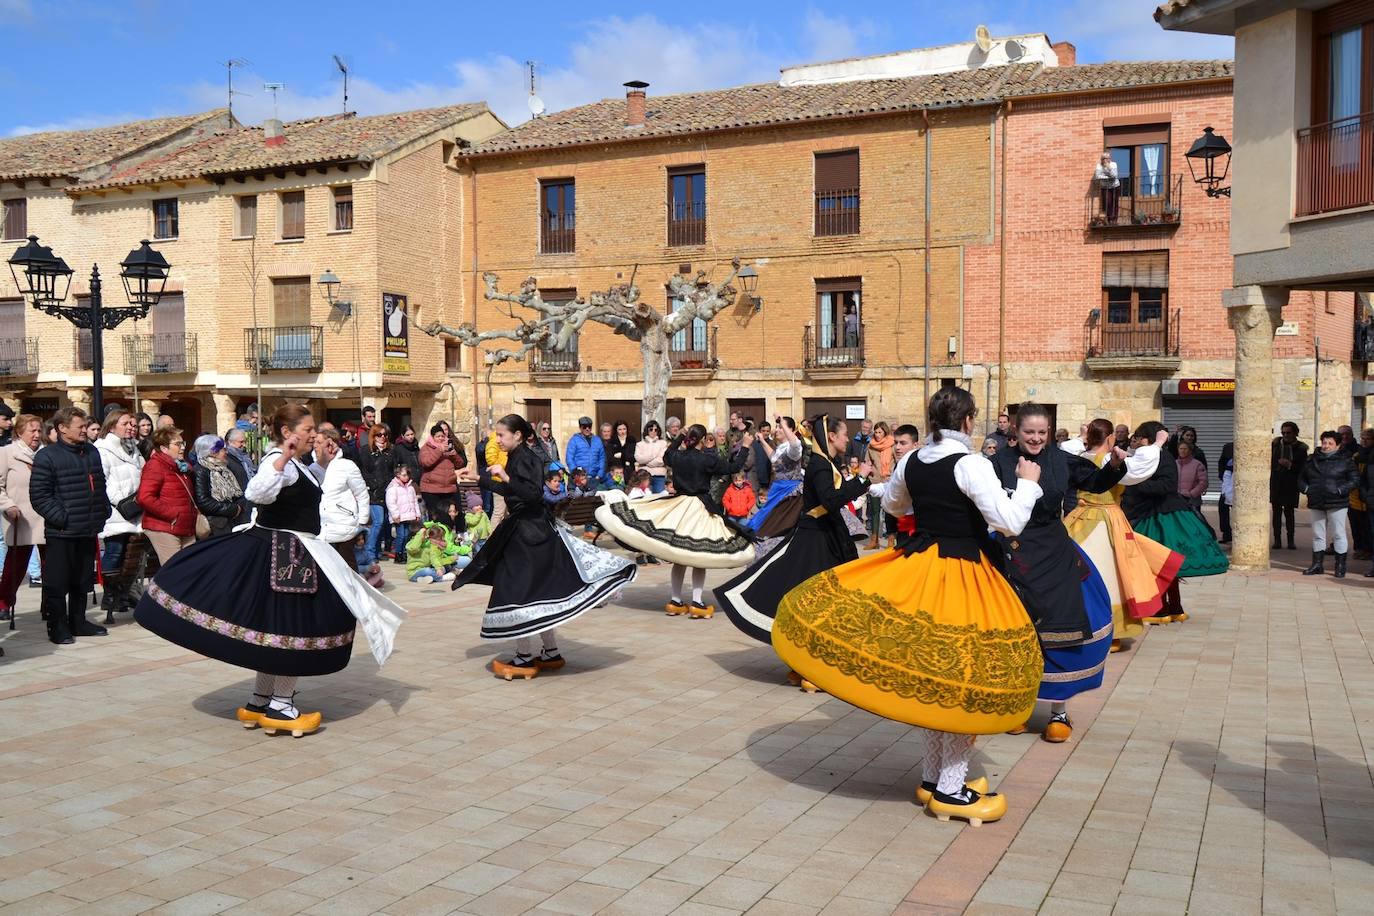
column 1327, row 479
column 68, row 490
column 222, row 514
column 1158, row 495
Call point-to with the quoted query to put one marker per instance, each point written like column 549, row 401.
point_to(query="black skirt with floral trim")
column 250, row 599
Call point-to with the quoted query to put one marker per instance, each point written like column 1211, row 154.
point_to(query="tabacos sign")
column 1206, row 386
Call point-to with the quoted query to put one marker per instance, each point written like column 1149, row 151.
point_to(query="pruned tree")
column 553, row 326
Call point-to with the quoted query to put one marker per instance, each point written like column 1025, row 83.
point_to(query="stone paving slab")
column 668, row 769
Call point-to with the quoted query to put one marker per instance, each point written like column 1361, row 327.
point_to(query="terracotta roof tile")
column 61, row 153
column 332, row 138
column 769, row 103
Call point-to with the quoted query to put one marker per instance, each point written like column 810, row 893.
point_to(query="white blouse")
column 268, row 481
column 976, row 479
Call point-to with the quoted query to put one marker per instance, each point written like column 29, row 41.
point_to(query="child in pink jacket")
column 403, row 507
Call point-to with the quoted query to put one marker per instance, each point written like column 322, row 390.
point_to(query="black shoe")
column 1318, row 566
column 640, row 561
column 1340, row 566
column 35, row 583
column 58, row 634
column 1291, row 545
column 80, row 626
column 653, row 561
column 400, row 560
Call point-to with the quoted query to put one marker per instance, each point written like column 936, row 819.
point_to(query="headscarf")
column 815, row 442
column 205, row 446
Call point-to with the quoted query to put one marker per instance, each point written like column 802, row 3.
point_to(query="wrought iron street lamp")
column 329, row 282
column 1207, row 149
column 750, row 278
column 44, row 279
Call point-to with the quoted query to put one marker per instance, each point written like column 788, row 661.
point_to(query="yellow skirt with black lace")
column 942, row 643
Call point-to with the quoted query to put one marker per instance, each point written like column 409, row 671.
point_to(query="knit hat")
column 6, row 410
column 474, row 501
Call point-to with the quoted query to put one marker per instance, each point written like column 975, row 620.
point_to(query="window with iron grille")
column 558, row 216
column 837, row 193
column 343, row 208
column 16, row 219
column 293, row 215
column 1135, row 303
column 246, row 216
column 165, row 218
column 687, row 205
column 839, row 321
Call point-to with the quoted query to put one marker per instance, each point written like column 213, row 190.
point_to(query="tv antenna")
column 343, row 68
column 535, row 103
column 229, row 66
column 273, row 88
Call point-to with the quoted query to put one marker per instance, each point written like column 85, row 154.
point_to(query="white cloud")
column 1114, row 31
column 78, row 122
column 835, row 38
column 20, row 10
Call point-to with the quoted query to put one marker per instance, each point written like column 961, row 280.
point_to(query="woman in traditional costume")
column 1157, row 510
column 780, row 511
column 688, row 529
column 272, row 598
column 931, row 633
column 819, row 541
column 541, row 574
column 1136, row 570
column 1064, row 594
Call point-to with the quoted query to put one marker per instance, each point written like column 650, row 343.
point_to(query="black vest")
column 944, row 515
column 297, row 506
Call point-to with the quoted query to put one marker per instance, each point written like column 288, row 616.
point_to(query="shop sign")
column 1306, row 384
column 1206, row 387
column 395, row 333
column 1287, row 329
column 853, row 411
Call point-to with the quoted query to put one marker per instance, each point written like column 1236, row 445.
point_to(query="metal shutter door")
column 1214, row 420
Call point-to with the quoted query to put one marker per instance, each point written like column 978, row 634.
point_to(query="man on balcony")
column 1109, row 186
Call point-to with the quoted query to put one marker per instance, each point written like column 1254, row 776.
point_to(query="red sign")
column 1207, row 386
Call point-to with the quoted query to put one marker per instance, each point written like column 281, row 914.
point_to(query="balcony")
column 1336, row 165
column 697, row 361
column 687, row 223
column 837, row 212
column 1364, row 341
column 1138, row 345
column 159, row 354
column 554, row 365
column 1145, row 203
column 18, row 357
column 298, row 347
column 559, row 236
column 833, row 354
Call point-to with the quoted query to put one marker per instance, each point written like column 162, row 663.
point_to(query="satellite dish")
column 1015, row 50
column 536, row 105
column 983, row 39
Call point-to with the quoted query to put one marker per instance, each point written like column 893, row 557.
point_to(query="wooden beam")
column 280, row 173
column 322, row 169
column 301, row 172
column 20, row 183
column 219, row 180
column 240, row 179
column 45, row 182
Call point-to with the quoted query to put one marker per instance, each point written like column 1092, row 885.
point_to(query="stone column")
column 1254, row 312
column 225, row 415
column 80, row 398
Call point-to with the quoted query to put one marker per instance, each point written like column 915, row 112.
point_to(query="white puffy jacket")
column 344, row 507
column 122, row 474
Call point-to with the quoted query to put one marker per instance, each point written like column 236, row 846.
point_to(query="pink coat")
column 1192, row 478
column 402, row 502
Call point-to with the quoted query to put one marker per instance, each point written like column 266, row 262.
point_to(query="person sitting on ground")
column 738, row 501
column 430, row 557
column 367, row 567
column 476, row 521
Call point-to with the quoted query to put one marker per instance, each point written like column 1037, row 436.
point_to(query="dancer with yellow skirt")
column 930, row 633
column 1136, row 570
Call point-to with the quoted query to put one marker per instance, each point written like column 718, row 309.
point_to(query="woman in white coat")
column 123, row 463
column 344, row 504
column 24, row 526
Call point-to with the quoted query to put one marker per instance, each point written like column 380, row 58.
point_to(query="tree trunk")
column 658, row 371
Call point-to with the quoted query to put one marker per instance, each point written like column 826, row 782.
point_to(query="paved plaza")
column 1223, row 768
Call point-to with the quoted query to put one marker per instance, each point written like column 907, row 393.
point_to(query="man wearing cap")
column 6, row 424
column 585, row 450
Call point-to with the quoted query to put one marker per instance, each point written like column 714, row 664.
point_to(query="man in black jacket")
column 68, row 490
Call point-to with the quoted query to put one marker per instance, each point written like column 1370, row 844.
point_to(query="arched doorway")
column 186, row 414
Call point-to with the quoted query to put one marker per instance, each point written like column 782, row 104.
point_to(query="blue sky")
column 81, row 63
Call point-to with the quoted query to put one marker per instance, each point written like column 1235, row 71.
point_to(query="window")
column 1141, row 154
column 563, row 360
column 165, row 218
column 1135, row 297
column 246, row 216
column 839, row 322
column 689, row 344
column 14, row 349
column 169, row 335
column 687, row 205
column 290, row 336
column 1343, row 62
column 558, row 222
column 291, row 302
column 837, row 193
column 453, row 356
column 16, row 218
column 343, row 208
column 293, row 215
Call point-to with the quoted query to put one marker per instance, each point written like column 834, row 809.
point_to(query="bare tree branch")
column 701, row 300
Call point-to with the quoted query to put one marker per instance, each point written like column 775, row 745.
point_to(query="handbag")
column 129, row 508
column 202, row 526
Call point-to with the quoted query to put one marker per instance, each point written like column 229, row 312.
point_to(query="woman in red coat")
column 164, row 492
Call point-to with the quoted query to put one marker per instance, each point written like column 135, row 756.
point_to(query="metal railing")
column 687, row 223
column 837, row 212
column 558, row 236
column 18, row 356
column 159, row 353
column 1141, row 201
column 82, row 344
column 554, row 361
column 1336, row 165
column 696, row 357
column 1149, row 338
column 833, row 348
column 299, row 347
column 1364, row 341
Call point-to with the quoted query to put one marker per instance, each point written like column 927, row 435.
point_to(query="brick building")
column 249, row 218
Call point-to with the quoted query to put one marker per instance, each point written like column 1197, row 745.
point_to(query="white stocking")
column 262, row 688
column 524, row 647
column 549, row 641
column 930, row 763
column 698, row 583
column 954, row 764
column 679, row 571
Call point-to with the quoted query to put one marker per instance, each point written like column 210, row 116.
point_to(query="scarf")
column 884, row 450
column 224, row 486
column 130, row 446
column 22, row 451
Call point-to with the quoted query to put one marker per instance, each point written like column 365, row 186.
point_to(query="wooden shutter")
column 839, row 285
column 837, row 171
column 1136, row 269
column 293, row 215
column 11, row 319
column 247, row 216
column 1135, row 135
column 16, row 218
column 169, row 315
column 558, row 295
column 291, row 302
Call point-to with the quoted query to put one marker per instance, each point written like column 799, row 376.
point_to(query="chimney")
column 1066, row 52
column 273, row 134
column 635, row 102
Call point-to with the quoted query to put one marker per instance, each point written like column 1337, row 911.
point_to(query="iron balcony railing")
column 833, row 347
column 687, row 223
column 1336, row 165
column 554, row 361
column 558, row 235
column 82, row 344
column 299, row 347
column 158, row 354
column 695, row 350
column 837, row 212
column 1145, row 338
column 18, row 356
column 1364, row 341
column 1141, row 201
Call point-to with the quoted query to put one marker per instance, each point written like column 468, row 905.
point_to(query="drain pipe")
column 925, row 381
column 1002, row 274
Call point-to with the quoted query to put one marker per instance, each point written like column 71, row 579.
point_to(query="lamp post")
column 1207, row 149
column 750, row 278
column 329, row 282
column 44, row 279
